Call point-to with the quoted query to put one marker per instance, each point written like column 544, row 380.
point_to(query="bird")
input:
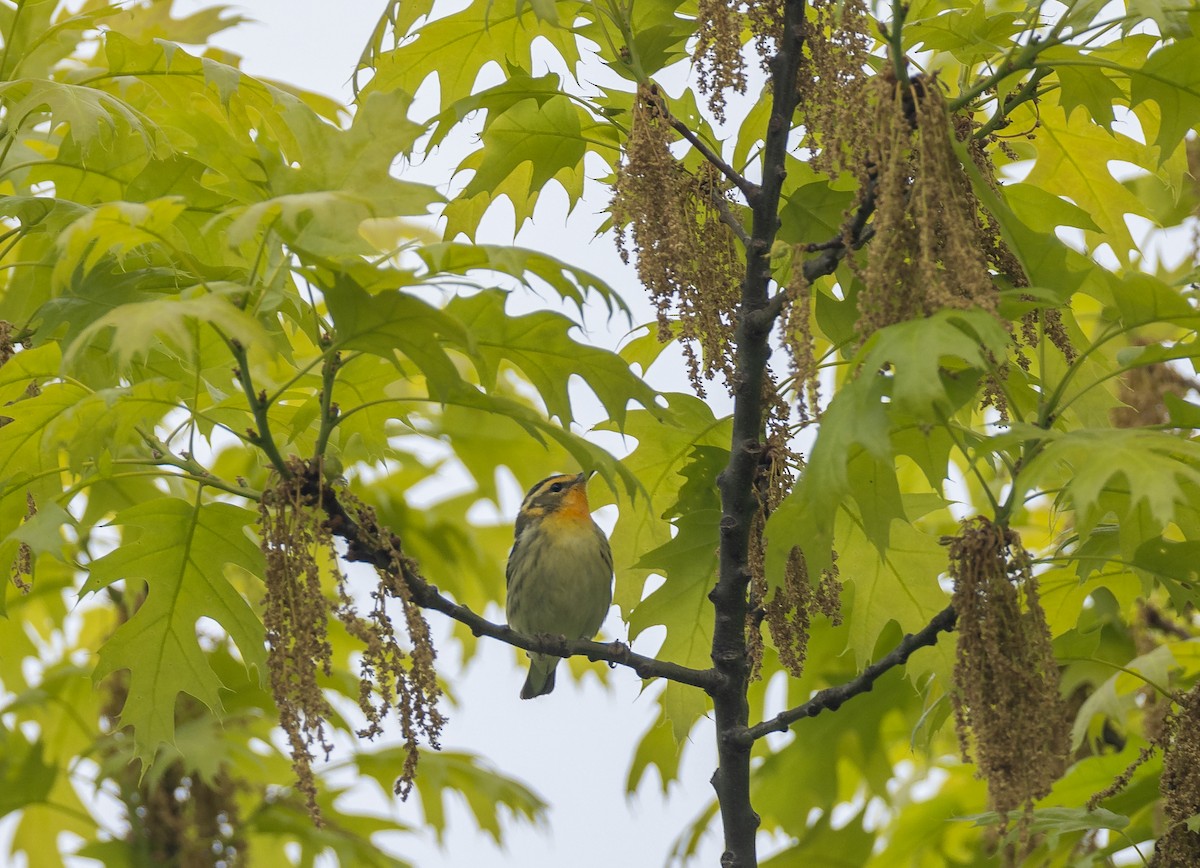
column 559, row 574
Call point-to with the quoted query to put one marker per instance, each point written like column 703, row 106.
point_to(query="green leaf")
column 688, row 564
column 665, row 444
column 1171, row 78
column 115, row 229
column 1174, row 565
column 320, row 205
column 94, row 117
column 140, row 327
column 967, row 34
column 814, row 207
column 658, row 748
column 587, row 455
column 538, row 345
column 442, row 773
column 1073, row 160
column 182, row 550
column 928, row 355
column 1138, row 465
column 1060, row 821
column 1121, row 693
column 496, row 100
column 898, row 585
column 395, row 322
column 1089, row 87
column 570, row 282
column 547, row 135
column 459, row 45
column 25, row 776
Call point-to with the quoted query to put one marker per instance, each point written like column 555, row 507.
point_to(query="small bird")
column 559, row 572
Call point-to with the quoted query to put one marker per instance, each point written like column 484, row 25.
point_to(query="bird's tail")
column 540, row 679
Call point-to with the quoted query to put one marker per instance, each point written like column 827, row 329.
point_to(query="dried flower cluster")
column 296, row 615
column 718, row 53
column 831, row 83
column 22, row 566
column 686, row 257
column 410, row 688
column 7, row 345
column 1178, row 846
column 720, row 66
column 927, row 253
column 934, row 246
column 1144, row 389
column 297, row 612
column 1007, row 707
column 790, row 610
column 797, row 337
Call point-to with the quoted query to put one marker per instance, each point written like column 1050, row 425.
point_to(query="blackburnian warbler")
column 559, row 572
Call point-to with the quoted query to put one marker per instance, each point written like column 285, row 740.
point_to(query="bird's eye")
column 556, row 487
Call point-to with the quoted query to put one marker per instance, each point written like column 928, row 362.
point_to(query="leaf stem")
column 259, row 404
column 329, row 410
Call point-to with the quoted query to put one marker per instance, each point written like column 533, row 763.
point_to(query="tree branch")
column 739, row 503
column 1025, row 93
column 832, row 251
column 364, row 546
column 749, row 189
column 831, row 698
column 259, row 404
column 730, row 219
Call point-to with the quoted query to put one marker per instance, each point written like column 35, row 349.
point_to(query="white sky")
column 574, row 746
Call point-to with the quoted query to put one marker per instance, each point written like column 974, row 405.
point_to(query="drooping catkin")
column 297, row 611
column 686, row 256
column 1007, row 708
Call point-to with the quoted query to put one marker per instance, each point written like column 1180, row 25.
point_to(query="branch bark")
column 832, row 698
column 736, row 482
column 832, row 251
column 750, row 190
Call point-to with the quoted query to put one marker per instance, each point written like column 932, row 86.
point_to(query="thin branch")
column 329, row 410
column 259, row 404
column 832, row 698
column 749, row 189
column 832, row 251
column 360, row 548
column 1026, row 92
column 730, row 219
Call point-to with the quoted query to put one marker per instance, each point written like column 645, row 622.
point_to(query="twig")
column 730, row 219
column 749, row 189
column 831, row 698
column 832, row 251
column 259, row 404
column 1026, row 92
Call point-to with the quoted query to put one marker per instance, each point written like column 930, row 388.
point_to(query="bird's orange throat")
column 574, row 507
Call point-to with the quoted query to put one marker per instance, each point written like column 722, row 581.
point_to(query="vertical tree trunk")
column 738, row 505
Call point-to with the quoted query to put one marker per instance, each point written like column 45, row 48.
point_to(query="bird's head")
column 560, row 497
